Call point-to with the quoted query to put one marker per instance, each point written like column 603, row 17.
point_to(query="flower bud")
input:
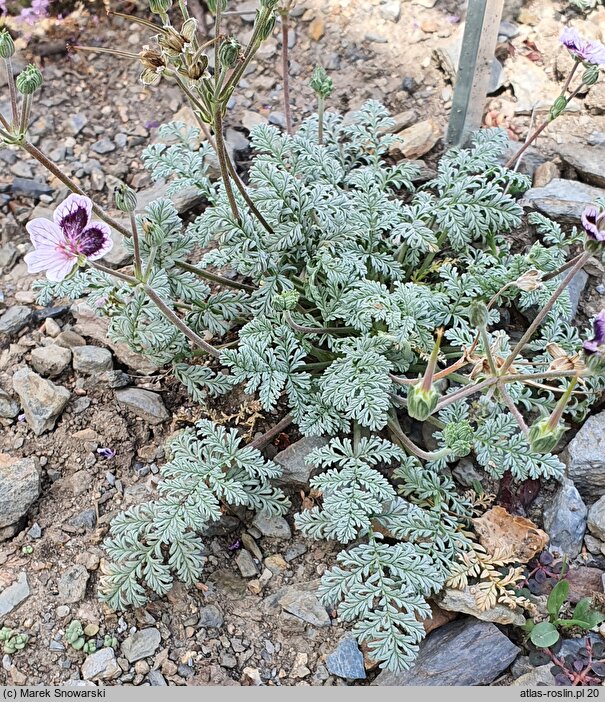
column 7, row 45
column 29, row 80
column 270, row 4
column 458, row 438
column 160, row 7
column 229, row 52
column 558, row 107
column 422, row 403
column 320, row 83
column 287, row 300
column 125, row 198
column 478, row 315
column 542, row 437
column 266, row 26
column 591, row 75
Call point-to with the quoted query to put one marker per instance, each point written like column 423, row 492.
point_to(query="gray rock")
column 295, row 470
column 50, row 360
column 156, row 679
column 143, row 403
column 347, row 660
column 535, row 677
column 565, row 520
column 464, row 601
column 14, row 319
column 596, row 519
column 508, row 29
column 211, row 617
column 246, row 564
column 86, row 519
column 186, row 199
column 19, row 487
column 463, row 652
column 391, row 11
column 273, row 527
column 8, row 407
column 141, row 644
column 42, row 400
column 588, row 161
column 576, row 288
column 35, row 531
column 12, row 596
column 118, row 255
column 294, row 551
column 562, row 199
column 585, row 458
column 103, row 146
column 92, row 359
column 305, row 606
column 26, row 187
column 101, row 664
column 76, row 123
column 72, row 584
column 466, row 473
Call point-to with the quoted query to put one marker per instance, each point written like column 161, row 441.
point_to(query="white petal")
column 43, row 232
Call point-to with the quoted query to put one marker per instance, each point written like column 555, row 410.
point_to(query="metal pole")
column 474, row 68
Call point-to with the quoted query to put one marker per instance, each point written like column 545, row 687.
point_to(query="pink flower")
column 63, row 243
column 593, row 222
column 595, row 345
column 586, row 50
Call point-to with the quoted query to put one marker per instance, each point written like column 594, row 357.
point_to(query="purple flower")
column 106, row 452
column 235, row 545
column 593, row 222
column 593, row 346
column 63, row 243
column 586, row 50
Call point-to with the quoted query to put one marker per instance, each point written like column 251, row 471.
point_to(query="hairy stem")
column 408, row 444
column 320, row 119
column 220, row 152
column 50, row 166
column 12, row 90
column 179, row 324
column 285, row 62
column 545, row 310
column 135, row 245
column 244, row 193
column 213, row 277
column 263, row 440
column 508, row 401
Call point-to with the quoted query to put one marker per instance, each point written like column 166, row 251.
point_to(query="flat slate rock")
column 12, row 596
column 464, row 652
column 347, row 660
column 588, row 161
column 565, row 520
column 562, row 199
column 295, row 469
column 585, row 458
column 141, row 644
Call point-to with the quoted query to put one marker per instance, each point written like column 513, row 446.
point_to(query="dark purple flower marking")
column 596, row 344
column 63, row 243
column 593, row 222
column 106, row 452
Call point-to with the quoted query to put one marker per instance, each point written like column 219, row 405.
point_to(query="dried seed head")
column 172, row 42
column 530, row 280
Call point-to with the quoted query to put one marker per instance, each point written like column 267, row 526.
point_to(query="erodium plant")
column 362, row 306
